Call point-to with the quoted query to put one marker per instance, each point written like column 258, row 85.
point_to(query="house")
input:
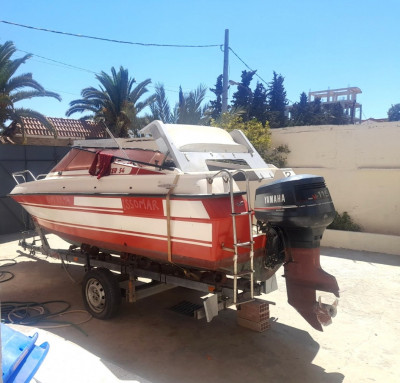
column 67, row 130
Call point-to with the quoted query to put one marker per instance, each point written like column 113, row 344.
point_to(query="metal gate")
column 13, row 158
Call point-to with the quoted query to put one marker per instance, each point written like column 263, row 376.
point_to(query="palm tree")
column 187, row 111
column 189, row 107
column 116, row 102
column 17, row 88
column 160, row 108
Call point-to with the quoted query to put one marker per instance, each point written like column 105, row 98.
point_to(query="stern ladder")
column 228, row 177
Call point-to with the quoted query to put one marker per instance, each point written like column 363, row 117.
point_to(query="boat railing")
column 285, row 172
column 22, row 175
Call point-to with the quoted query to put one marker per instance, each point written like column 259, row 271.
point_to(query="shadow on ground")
column 151, row 341
column 6, row 238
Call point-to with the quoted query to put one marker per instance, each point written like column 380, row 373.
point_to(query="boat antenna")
column 116, row 141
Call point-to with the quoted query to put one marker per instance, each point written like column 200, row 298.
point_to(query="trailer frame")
column 139, row 278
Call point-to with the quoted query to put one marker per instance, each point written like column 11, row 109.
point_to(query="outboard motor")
column 298, row 209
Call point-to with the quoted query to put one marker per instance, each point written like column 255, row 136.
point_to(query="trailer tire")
column 101, row 293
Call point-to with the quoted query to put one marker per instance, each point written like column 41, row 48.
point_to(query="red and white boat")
column 193, row 196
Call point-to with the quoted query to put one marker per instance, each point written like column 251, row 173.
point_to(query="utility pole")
column 225, row 73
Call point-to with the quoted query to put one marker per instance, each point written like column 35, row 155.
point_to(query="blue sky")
column 315, row 45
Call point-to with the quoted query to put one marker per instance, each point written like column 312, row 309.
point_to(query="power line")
column 59, row 62
column 255, row 72
column 248, row 66
column 121, row 42
column 125, row 42
column 110, row 40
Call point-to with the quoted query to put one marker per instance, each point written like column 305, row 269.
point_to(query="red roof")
column 65, row 127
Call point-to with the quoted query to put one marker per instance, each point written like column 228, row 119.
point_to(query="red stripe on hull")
column 186, row 251
column 131, row 206
column 192, row 255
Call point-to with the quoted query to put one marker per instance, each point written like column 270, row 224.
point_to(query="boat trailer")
column 109, row 277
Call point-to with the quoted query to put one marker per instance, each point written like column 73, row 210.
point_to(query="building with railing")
column 347, row 97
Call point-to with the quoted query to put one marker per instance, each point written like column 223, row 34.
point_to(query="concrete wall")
column 361, row 166
column 378, row 243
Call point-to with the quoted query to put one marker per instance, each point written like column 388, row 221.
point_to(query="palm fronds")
column 116, row 101
column 17, row 88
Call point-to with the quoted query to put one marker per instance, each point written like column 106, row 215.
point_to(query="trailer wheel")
column 101, row 293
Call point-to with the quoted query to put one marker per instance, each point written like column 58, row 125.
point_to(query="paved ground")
column 148, row 342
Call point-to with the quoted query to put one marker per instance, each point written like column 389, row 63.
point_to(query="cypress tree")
column 259, row 104
column 216, row 105
column 243, row 97
column 277, row 101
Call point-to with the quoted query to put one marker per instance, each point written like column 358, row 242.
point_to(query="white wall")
column 361, row 166
column 378, row 243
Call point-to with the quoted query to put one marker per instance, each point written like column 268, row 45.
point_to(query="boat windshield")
column 81, row 159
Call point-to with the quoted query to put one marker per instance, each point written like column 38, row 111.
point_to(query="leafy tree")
column 259, row 105
column 335, row 114
column 116, row 102
column 277, row 102
column 328, row 114
column 277, row 156
column 316, row 110
column 18, row 88
column 303, row 101
column 259, row 135
column 243, row 97
column 216, row 105
column 344, row 222
column 394, row 113
column 317, row 113
column 301, row 113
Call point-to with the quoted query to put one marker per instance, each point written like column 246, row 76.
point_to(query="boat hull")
column 200, row 227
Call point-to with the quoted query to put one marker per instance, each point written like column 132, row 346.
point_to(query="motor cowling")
column 294, row 212
column 300, row 205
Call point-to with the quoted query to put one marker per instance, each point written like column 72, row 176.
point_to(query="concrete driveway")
column 148, row 342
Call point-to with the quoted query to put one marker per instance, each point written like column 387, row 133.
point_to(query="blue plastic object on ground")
column 21, row 358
